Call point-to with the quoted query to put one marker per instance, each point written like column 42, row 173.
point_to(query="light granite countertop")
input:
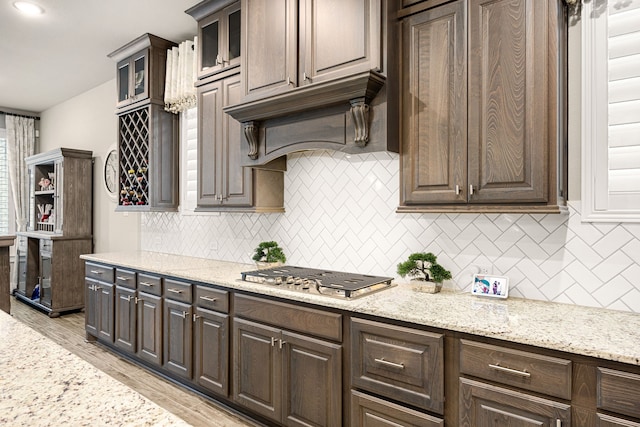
column 607, row 334
column 42, row 384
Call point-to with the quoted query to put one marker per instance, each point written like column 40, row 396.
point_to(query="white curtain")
column 179, row 91
column 20, row 144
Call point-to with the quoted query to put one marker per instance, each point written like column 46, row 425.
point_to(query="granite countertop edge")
column 588, row 331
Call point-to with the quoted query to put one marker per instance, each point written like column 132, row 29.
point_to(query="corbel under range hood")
column 349, row 114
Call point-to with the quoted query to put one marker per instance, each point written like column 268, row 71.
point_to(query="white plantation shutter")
column 611, row 111
column 189, row 144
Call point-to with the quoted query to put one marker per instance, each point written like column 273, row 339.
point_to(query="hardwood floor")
column 68, row 332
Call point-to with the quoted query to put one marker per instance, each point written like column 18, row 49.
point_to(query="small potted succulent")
column 269, row 254
column 425, row 272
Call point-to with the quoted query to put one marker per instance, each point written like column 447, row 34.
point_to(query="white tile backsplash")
column 341, row 214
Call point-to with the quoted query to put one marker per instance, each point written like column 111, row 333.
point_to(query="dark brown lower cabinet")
column 149, row 333
column 178, row 337
column 485, row 405
column 290, row 378
column 125, row 319
column 211, row 350
column 99, row 301
column 369, row 411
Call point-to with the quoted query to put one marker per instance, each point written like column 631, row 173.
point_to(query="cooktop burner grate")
column 325, row 282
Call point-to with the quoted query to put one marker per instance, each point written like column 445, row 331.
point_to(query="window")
column 611, row 111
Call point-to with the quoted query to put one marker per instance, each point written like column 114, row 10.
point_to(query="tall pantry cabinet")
column 59, row 230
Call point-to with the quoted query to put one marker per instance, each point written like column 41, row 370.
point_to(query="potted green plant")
column 425, row 272
column 269, row 254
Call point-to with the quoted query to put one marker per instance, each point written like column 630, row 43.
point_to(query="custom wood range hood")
column 315, row 79
column 353, row 93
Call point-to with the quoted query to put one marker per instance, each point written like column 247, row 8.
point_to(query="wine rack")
column 134, row 158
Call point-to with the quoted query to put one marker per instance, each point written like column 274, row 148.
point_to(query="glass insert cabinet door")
column 219, row 36
column 132, row 78
column 123, row 81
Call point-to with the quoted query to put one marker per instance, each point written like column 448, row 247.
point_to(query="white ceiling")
column 48, row 59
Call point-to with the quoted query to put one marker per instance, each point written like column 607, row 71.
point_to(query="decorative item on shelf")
column 269, row 254
column 45, row 184
column 425, row 272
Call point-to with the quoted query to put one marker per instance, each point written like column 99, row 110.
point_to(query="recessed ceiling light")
column 28, row 8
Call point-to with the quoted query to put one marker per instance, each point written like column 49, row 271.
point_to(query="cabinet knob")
column 471, row 190
column 457, row 190
column 281, row 343
column 273, row 341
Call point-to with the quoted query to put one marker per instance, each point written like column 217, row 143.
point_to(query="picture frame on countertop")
column 487, row 285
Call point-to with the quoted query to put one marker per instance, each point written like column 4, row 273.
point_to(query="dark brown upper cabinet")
column 294, row 43
column 321, row 63
column 484, row 107
column 219, row 35
column 140, row 72
column 148, row 139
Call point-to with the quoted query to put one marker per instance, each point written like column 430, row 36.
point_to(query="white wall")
column 88, row 122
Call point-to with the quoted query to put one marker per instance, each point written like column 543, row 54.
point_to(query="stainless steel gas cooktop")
column 321, row 282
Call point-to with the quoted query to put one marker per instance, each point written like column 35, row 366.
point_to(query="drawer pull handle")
column 558, row 423
column 174, row 291
column 391, row 364
column 147, row 284
column 126, row 279
column 96, row 272
column 209, row 299
column 497, row 367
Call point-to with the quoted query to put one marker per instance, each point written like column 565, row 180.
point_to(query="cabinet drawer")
column 369, row 411
column 150, row 284
column 529, row 371
column 178, row 291
column 619, row 391
column 300, row 319
column 399, row 363
column 125, row 278
column 213, row 299
column 99, row 272
column 608, row 421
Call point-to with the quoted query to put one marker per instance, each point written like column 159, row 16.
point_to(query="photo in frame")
column 487, row 285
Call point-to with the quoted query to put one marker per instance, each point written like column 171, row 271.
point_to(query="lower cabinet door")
column 105, row 311
column 312, row 380
column 91, row 307
column 178, row 338
column 484, row 405
column 211, row 346
column 257, row 368
column 369, row 411
column 125, row 319
column 149, row 333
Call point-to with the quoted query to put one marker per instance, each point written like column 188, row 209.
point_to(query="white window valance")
column 180, row 93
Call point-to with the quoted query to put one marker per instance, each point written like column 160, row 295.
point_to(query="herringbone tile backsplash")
column 340, row 214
